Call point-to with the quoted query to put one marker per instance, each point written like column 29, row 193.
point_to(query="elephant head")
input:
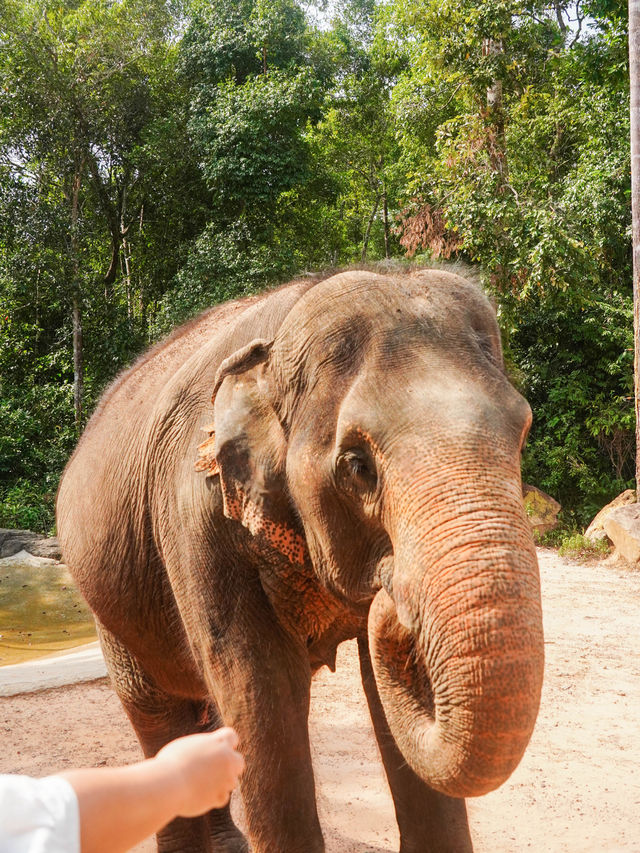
column 378, row 438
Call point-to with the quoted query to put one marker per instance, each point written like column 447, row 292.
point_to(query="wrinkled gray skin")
column 363, row 482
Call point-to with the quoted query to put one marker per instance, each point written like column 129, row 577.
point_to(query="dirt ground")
column 576, row 790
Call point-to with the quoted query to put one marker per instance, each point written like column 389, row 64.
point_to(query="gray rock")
column 49, row 548
column 13, row 541
column 622, row 526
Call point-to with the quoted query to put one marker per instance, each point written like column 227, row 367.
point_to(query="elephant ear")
column 247, row 448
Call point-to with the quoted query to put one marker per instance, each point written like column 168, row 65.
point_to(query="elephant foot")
column 437, row 845
column 229, row 842
column 184, row 836
column 224, row 835
column 195, row 836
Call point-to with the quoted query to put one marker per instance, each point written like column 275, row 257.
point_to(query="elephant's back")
column 130, row 399
column 154, row 368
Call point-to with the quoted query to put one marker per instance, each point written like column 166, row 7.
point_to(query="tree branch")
column 111, row 215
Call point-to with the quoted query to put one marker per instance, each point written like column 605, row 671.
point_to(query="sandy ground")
column 576, row 790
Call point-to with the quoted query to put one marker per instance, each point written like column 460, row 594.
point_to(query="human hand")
column 207, row 767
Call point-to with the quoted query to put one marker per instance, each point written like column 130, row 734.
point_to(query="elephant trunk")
column 456, row 643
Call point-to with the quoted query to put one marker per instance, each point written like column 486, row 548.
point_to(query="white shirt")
column 38, row 815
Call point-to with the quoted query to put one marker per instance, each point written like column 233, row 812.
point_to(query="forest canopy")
column 157, row 158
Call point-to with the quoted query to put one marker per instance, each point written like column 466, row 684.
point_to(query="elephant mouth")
column 401, row 665
column 384, row 574
column 404, row 667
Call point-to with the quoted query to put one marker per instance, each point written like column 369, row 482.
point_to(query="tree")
column 156, row 159
column 255, row 93
column 536, row 194
column 99, row 197
column 75, row 95
column 634, row 75
column 356, row 139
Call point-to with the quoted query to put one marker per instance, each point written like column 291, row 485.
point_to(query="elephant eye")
column 356, row 472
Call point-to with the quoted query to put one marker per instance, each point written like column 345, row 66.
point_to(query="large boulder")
column 14, row 541
column 595, row 532
column 542, row 510
column 622, row 526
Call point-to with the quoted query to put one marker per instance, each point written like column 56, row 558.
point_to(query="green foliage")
column 24, row 507
column 157, row 158
column 255, row 98
column 514, row 137
column 252, row 141
column 239, row 39
column 92, row 159
column 37, row 434
column 581, row 444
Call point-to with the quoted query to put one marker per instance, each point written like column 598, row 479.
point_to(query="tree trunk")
column 76, row 302
column 126, row 269
column 497, row 146
column 78, row 370
column 126, row 254
column 559, row 18
column 634, row 73
column 113, row 222
column 385, row 210
column 365, row 242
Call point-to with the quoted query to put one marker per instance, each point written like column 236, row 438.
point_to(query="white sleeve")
column 38, row 815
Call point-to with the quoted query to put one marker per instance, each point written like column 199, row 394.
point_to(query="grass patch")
column 578, row 547
column 569, row 542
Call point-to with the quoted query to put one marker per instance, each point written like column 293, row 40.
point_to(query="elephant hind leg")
column 158, row 718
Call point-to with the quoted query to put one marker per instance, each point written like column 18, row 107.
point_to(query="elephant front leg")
column 262, row 689
column 429, row 822
column 158, row 718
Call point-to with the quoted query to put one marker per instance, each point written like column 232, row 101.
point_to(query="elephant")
column 335, row 459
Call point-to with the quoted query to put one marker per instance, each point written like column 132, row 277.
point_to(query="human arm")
column 120, row 806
